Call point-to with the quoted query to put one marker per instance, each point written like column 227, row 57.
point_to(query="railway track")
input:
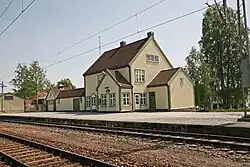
column 237, row 143
column 21, row 152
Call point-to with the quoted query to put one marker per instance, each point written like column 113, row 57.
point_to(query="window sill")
column 152, row 62
column 144, row 105
column 137, row 82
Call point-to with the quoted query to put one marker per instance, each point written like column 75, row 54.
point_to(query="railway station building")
column 137, row 77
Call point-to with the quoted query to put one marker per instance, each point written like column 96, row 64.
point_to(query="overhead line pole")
column 246, row 58
column 2, row 99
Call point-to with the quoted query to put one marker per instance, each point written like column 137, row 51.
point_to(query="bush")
column 222, row 110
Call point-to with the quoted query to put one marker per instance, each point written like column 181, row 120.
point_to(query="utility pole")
column 2, row 103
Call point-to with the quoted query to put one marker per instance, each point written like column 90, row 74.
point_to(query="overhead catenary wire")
column 100, row 32
column 7, row 7
column 17, row 17
column 104, row 30
column 130, row 35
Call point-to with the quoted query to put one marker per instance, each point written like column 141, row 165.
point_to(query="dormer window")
column 152, row 58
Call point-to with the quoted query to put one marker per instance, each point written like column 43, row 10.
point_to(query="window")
column 93, row 100
column 137, row 99
column 125, row 99
column 88, row 101
column 181, row 81
column 139, row 75
column 152, row 58
column 80, row 99
column 58, row 101
column 8, row 97
column 112, row 99
column 50, row 102
column 103, row 100
column 143, row 99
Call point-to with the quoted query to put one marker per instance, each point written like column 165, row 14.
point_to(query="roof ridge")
column 117, row 57
column 127, row 44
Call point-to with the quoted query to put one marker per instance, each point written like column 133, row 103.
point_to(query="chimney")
column 122, row 43
column 150, row 34
column 60, row 87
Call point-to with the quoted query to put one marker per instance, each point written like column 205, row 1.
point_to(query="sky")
column 48, row 27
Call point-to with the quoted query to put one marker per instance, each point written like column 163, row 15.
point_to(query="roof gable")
column 163, row 77
column 12, row 94
column 185, row 73
column 117, row 77
column 152, row 39
column 116, row 58
column 79, row 92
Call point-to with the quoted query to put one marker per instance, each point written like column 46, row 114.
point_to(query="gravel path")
column 130, row 151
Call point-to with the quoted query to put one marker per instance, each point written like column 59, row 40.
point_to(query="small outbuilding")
column 12, row 103
column 171, row 89
column 70, row 100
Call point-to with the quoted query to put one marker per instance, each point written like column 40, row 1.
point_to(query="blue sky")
column 50, row 26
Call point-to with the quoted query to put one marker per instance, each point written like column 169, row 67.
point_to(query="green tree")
column 66, row 82
column 221, row 50
column 29, row 80
column 196, row 67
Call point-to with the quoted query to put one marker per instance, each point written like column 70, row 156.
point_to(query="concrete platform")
column 194, row 118
column 219, row 123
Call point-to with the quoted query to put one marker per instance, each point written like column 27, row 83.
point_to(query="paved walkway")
column 203, row 118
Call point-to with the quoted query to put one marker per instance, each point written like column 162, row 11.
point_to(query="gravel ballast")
column 130, row 151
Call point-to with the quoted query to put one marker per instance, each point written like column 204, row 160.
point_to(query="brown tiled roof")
column 163, row 77
column 116, row 58
column 120, row 78
column 79, row 92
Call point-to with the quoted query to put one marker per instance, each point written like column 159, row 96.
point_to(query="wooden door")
column 76, row 104
column 152, row 102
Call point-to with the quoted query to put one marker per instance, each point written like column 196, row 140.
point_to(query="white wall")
column 151, row 69
column 114, row 88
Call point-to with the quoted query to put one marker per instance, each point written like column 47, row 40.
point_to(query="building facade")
column 70, row 100
column 135, row 77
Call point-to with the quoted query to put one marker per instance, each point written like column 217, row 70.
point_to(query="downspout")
column 85, row 93
column 169, row 98
column 120, row 105
column 132, row 89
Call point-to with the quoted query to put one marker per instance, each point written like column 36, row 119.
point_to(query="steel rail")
column 83, row 160
column 216, row 140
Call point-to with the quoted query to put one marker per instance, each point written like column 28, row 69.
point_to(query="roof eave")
column 157, row 85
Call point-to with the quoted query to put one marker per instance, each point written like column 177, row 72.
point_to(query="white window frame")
column 93, row 100
column 88, row 101
column 51, row 102
column 152, row 58
column 126, row 98
column 104, row 100
column 8, row 98
column 139, row 75
column 143, row 99
column 112, row 100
